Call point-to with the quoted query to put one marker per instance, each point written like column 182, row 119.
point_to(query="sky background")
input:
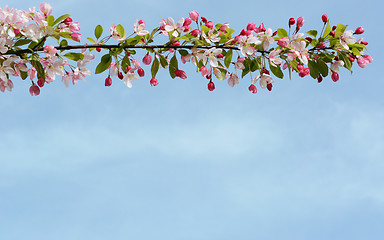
column 177, row 162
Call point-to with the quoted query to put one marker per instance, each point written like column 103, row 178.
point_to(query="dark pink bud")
column 319, row 79
column 291, row 21
column 204, row 19
column 219, row 55
column 16, row 31
column 181, row 74
column 300, row 67
column 147, row 59
column 187, row 21
column 359, row 30
column 333, row 28
column 108, row 81
column 274, row 33
column 265, row 71
column 365, row 43
column 141, row 22
column 186, row 28
column 209, row 24
column 269, row 86
column 40, row 82
column 321, row 45
column 252, row 88
column 332, row 33
column 34, row 90
column 120, row 75
column 98, row 49
column 176, row 43
column 67, row 21
column 335, row 76
column 211, row 86
column 351, row 58
column 324, row 18
column 300, row 22
column 251, row 26
column 140, row 71
column 76, row 36
column 195, row 32
column 194, row 16
column 309, row 39
column 154, row 82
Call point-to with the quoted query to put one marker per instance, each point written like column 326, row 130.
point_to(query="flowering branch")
column 213, row 49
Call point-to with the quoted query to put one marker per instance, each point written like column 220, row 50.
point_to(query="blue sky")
column 304, row 161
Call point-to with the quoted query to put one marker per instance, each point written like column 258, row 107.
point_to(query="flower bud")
column 334, row 28
column 154, row 82
column 211, row 86
column 46, row 8
column 309, row 39
column 195, row 32
column 291, row 21
column 120, row 75
column 108, row 81
column 34, row 90
column 300, row 22
column 321, row 45
column 324, row 18
column 219, row 55
column 269, row 86
column 68, row 20
column 98, row 49
column 40, row 82
column 251, row 26
column 140, row 71
column 319, row 79
column 332, row 33
column 252, row 88
column 204, row 19
column 335, row 76
column 209, row 24
column 194, row 16
column 359, row 30
column 76, row 36
column 181, row 74
column 187, row 21
column 147, row 59
column 224, row 27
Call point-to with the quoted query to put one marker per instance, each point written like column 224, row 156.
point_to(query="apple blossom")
column 346, row 38
column 211, row 86
column 194, row 16
column 335, row 76
column 154, row 82
column 252, row 88
column 46, row 8
column 34, row 90
column 180, row 73
column 299, row 22
column 291, row 21
column 139, row 28
column 359, row 30
column 324, row 18
column 147, row 59
column 108, row 81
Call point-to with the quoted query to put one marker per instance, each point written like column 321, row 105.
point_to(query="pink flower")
column 194, row 16
column 147, row 59
column 209, row 24
column 233, row 80
column 50, row 50
column 34, row 90
column 274, row 57
column 76, row 37
column 32, row 73
column 300, row 22
column 46, row 8
column 154, row 82
column 224, row 27
column 139, row 28
column 283, row 42
column 346, row 38
column 251, row 26
column 181, row 74
column 7, row 84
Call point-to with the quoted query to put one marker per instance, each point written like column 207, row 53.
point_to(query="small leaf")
column 163, row 61
column 313, row 70
column 125, row 63
column 104, row 64
column 98, row 31
column 23, row 75
column 64, row 43
column 322, row 67
column 155, row 67
column 345, row 58
column 328, row 29
column 61, row 18
column 228, row 58
column 340, row 30
column 121, row 31
column 91, row 40
column 276, row 71
column 173, row 66
column 39, row 68
column 312, row 33
column 282, row 32
column 22, row 42
column 183, row 52
column 74, row 56
column 50, row 20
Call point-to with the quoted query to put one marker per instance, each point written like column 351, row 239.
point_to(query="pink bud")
column 16, row 31
column 291, row 21
column 335, row 76
column 269, row 86
column 32, row 72
column 362, row 62
column 147, row 59
column 283, row 42
column 40, row 82
column 252, row 88
column 321, row 45
column 141, row 22
column 186, row 28
column 181, row 74
column 251, row 26
column 300, row 22
column 365, row 43
column 50, row 50
column 359, row 30
column 120, row 75
column 108, row 81
column 140, row 71
column 219, row 55
column 34, row 90
column 334, row 28
column 194, row 16
column 300, row 67
column 209, row 24
column 224, row 27
column 68, row 20
column 368, row 58
column 195, row 32
column 46, row 8
column 204, row 71
column 204, row 19
column 154, row 82
column 319, row 79
column 76, row 37
column 98, row 49
column 324, row 18
column 332, row 33
column 211, row 86
column 187, row 21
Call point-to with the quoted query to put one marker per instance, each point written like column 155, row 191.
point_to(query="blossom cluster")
column 213, row 49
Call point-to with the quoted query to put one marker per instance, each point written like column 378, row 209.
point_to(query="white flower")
column 346, row 38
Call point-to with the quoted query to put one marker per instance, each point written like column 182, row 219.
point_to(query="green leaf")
column 228, row 58
column 91, row 40
column 276, row 71
column 183, row 52
column 222, row 75
column 340, row 30
column 247, row 67
column 98, row 31
column 22, row 42
column 282, row 32
column 155, row 67
column 312, row 33
column 121, row 31
column 313, row 70
column 255, row 65
column 23, row 75
column 39, row 69
column 50, row 20
column 163, row 61
column 173, row 66
column 104, row 64
column 74, row 56
column 355, row 51
column 125, row 63
column 322, row 67
column 328, row 29
column 64, row 43
column 345, row 58
column 61, row 18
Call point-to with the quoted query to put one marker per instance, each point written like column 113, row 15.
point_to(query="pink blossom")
column 46, row 8
column 147, row 59
column 187, row 22
column 299, row 22
column 76, row 37
column 283, row 42
column 273, row 57
column 32, row 73
column 209, row 24
column 194, row 16
column 335, row 65
column 265, row 38
column 181, row 74
column 154, row 82
column 359, row 30
column 174, row 28
column 233, row 80
column 251, row 26
column 8, row 84
column 139, row 28
column 346, row 38
column 265, row 79
column 50, row 50
column 224, row 27
column 34, row 90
